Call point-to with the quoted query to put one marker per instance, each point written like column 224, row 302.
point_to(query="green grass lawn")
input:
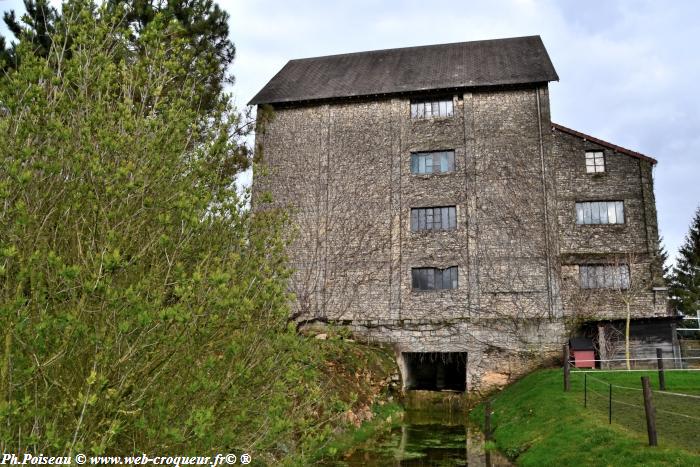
column 677, row 416
column 537, row 423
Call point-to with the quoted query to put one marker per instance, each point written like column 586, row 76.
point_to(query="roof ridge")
column 413, row 47
column 457, row 65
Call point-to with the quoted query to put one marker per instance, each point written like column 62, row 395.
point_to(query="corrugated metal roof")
column 496, row 62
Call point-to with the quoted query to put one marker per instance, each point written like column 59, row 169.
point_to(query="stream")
column 424, row 439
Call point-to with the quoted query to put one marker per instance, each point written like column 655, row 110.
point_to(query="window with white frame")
column 595, row 162
column 604, row 276
column 434, row 278
column 432, row 162
column 600, row 212
column 439, row 218
column 429, row 109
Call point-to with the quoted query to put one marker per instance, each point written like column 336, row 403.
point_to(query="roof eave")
column 505, row 84
column 615, row 147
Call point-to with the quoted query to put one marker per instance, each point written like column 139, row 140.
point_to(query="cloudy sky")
column 628, row 69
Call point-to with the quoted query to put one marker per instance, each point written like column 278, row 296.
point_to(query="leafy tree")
column 685, row 279
column 142, row 306
column 203, row 27
column 203, row 30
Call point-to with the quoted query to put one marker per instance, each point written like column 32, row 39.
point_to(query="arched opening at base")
column 435, row 371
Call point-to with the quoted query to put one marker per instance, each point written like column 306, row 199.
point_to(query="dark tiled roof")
column 593, row 139
column 516, row 60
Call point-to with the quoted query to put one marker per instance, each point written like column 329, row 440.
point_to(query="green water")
column 424, row 439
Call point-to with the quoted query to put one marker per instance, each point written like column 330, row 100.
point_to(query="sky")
column 628, row 70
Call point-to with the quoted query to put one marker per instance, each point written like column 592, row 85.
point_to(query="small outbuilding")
column 582, row 352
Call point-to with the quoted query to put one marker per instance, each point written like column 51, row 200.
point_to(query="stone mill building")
column 438, row 208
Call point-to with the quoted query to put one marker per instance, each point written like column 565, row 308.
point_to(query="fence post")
column 487, row 420
column 649, row 409
column 609, row 404
column 567, row 384
column 660, row 364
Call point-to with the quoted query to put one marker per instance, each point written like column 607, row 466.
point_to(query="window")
column 604, row 276
column 600, row 212
column 442, row 218
column 441, row 108
column 595, row 162
column 432, row 162
column 434, row 279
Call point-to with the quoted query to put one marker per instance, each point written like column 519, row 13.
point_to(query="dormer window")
column 595, row 162
column 430, row 109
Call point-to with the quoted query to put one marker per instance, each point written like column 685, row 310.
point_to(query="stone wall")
column 344, row 170
column 499, row 350
column 626, row 179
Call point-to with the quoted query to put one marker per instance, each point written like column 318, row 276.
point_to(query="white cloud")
column 628, row 69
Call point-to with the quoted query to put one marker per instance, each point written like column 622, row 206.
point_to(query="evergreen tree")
column 203, row 26
column 131, row 271
column 36, row 26
column 685, row 280
column 662, row 258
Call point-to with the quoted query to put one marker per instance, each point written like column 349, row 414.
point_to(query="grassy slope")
column 539, row 424
column 353, row 382
column 677, row 417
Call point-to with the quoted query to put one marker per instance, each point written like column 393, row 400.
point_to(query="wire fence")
column 690, row 350
column 617, row 397
column 686, row 362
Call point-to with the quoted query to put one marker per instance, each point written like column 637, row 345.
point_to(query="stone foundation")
column 498, row 353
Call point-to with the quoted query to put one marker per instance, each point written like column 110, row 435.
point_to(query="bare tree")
column 628, row 287
column 609, row 289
